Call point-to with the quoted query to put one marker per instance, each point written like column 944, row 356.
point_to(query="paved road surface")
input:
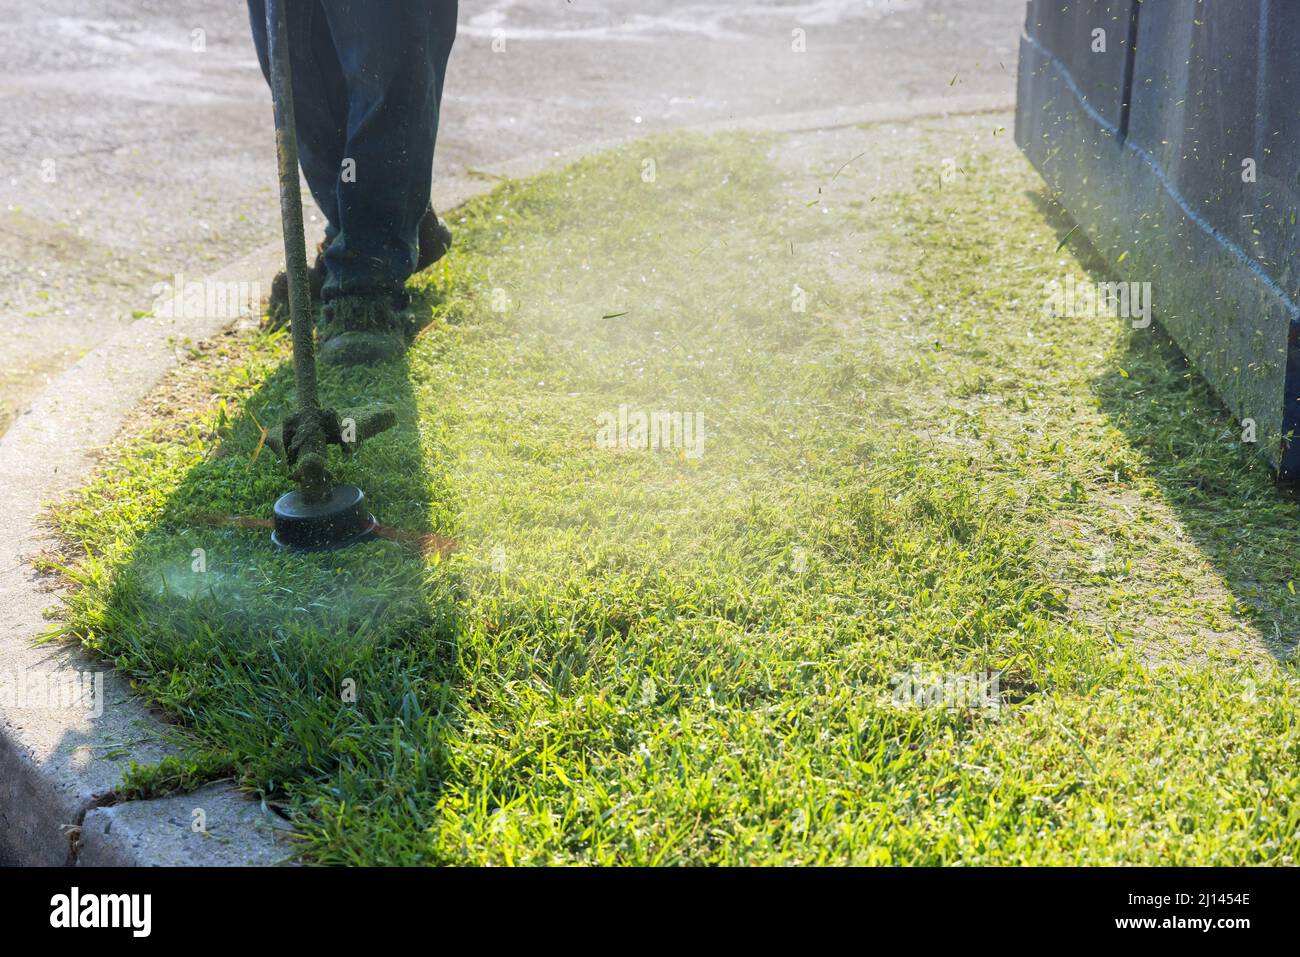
column 135, row 145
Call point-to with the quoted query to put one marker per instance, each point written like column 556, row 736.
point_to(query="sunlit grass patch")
column 698, row 652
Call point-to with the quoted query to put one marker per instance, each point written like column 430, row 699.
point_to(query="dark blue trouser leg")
column 367, row 89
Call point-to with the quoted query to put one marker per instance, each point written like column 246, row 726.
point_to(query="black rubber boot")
column 363, row 330
column 435, row 240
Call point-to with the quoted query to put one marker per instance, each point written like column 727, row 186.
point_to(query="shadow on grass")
column 1222, row 491
column 321, row 681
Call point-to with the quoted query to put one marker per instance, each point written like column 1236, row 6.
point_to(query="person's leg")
column 393, row 57
column 320, row 97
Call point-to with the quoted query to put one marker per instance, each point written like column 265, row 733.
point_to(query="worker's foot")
column 435, row 240
column 363, row 330
column 277, row 306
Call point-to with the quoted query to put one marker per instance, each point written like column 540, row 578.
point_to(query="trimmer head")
column 340, row 520
column 319, row 514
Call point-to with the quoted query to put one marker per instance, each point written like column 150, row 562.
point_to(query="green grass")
column 644, row 656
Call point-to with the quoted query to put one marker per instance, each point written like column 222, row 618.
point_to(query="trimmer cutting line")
column 320, row 514
column 427, row 543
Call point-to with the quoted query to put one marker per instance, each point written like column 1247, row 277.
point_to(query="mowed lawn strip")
column 901, row 474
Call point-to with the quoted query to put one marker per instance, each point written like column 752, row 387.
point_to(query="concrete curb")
column 213, row 827
column 69, row 727
column 59, row 764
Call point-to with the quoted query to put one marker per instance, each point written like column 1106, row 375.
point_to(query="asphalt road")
column 135, row 134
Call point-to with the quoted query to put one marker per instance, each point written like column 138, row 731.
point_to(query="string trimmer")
column 319, row 513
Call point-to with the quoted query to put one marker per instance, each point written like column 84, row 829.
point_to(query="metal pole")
column 319, row 513
column 295, row 245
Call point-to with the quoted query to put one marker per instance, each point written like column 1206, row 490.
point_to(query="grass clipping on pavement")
column 758, row 643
